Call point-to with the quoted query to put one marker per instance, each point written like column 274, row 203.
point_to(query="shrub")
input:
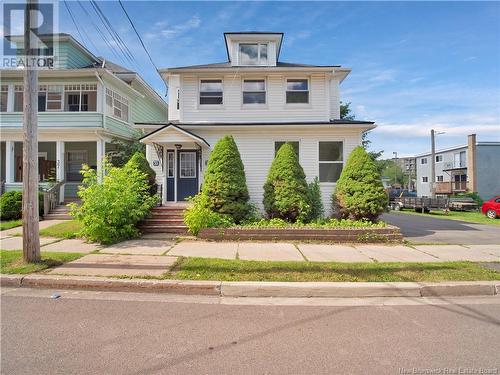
column 315, row 201
column 224, row 181
column 139, row 161
column 110, row 211
column 359, row 192
column 11, row 205
column 285, row 190
column 474, row 196
column 200, row 216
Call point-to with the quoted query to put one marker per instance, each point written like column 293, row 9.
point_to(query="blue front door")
column 187, row 174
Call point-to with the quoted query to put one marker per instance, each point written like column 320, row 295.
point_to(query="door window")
column 170, row 164
column 187, row 161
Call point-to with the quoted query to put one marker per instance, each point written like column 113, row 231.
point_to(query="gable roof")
column 179, row 129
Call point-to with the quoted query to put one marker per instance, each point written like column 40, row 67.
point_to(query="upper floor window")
column 253, row 54
column 331, row 161
column 4, row 93
column 211, row 91
column 116, row 105
column 423, row 161
column 425, row 179
column 439, row 158
column 18, row 98
column 297, row 91
column 254, row 91
column 80, row 98
column 55, row 98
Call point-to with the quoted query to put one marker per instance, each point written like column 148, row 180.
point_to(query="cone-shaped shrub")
column 139, row 161
column 286, row 190
column 224, row 182
column 359, row 193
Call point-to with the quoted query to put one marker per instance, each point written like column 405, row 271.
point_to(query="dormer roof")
column 252, row 36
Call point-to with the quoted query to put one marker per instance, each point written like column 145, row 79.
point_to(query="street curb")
column 258, row 289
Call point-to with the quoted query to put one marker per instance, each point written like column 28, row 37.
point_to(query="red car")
column 491, row 208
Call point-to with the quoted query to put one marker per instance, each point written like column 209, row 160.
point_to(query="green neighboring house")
column 83, row 104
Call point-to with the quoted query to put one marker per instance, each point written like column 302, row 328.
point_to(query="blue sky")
column 415, row 65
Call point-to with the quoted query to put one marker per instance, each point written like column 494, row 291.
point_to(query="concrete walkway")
column 17, row 231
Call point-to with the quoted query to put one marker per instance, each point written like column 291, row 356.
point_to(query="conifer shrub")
column 315, row 201
column 225, row 183
column 360, row 193
column 286, row 190
column 139, row 161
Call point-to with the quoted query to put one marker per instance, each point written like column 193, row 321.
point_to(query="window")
column 18, row 98
column 170, row 164
column 425, row 179
column 423, row 161
column 211, row 91
column 439, row 158
column 178, row 98
column 439, row 178
column 55, row 98
column 42, row 98
column 331, row 161
column 254, row 91
column 4, row 93
column 278, row 144
column 297, row 91
column 187, row 163
column 80, row 98
column 117, row 105
column 253, row 54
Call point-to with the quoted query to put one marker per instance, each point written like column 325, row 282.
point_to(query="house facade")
column 473, row 167
column 84, row 103
column 262, row 102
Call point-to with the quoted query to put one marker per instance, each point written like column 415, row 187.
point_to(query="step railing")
column 51, row 197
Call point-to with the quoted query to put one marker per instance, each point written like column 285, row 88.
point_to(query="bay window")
column 297, row 91
column 254, row 91
column 331, row 160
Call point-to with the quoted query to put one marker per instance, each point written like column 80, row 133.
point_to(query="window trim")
column 253, row 105
column 110, row 110
column 195, row 162
column 171, row 153
column 440, row 177
column 259, row 63
column 308, row 103
column 422, row 161
column 199, row 105
column 342, row 140
column 426, row 178
column 286, row 139
column 439, row 161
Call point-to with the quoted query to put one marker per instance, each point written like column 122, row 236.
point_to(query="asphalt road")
column 109, row 333
column 431, row 230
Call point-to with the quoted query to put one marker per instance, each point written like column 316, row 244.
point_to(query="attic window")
column 253, row 54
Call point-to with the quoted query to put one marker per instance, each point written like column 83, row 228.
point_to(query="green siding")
column 55, row 120
column 146, row 109
column 119, row 128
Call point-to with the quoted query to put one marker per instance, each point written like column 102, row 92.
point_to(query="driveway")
column 428, row 229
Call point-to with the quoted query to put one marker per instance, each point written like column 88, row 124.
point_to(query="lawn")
column 471, row 217
column 66, row 229
column 10, row 224
column 240, row 270
column 11, row 261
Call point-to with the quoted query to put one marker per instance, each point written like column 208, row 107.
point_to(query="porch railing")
column 51, row 197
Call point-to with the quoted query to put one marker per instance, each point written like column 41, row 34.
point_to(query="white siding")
column 275, row 109
column 256, row 147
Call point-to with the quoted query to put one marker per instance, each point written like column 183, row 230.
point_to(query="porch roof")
column 151, row 136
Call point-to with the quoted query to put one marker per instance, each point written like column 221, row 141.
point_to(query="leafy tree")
column 346, row 111
column 123, row 150
column 225, row 182
column 139, row 161
column 359, row 193
column 286, row 190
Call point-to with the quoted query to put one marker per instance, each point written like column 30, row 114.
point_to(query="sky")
column 416, row 66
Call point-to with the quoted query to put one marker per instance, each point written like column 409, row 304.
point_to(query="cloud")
column 162, row 29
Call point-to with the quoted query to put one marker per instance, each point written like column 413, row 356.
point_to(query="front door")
column 187, row 174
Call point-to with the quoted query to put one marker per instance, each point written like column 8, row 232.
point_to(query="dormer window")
column 253, row 54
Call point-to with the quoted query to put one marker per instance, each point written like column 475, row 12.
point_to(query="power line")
column 77, row 29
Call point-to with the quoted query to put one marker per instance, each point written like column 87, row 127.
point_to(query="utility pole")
column 433, row 164
column 31, row 239
column 396, row 163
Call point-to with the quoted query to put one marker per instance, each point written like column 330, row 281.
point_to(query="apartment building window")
column 425, row 179
column 116, row 105
column 297, row 91
column 254, row 91
column 331, row 161
column 4, row 93
column 295, row 145
column 439, row 158
column 423, row 161
column 439, row 178
column 211, row 91
column 253, row 54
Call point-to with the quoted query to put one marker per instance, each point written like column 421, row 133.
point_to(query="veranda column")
column 60, row 174
column 9, row 162
column 100, row 155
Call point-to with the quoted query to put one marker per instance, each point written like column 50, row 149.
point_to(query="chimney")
column 471, row 163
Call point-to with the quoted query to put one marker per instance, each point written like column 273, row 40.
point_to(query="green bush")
column 359, row 193
column 139, row 161
column 224, row 181
column 474, row 196
column 11, row 205
column 320, row 224
column 286, row 190
column 199, row 216
column 315, row 201
column 110, row 210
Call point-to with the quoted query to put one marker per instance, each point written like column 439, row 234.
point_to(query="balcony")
column 451, row 187
column 449, row 165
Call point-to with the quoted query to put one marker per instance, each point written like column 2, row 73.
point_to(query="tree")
column 124, row 150
column 360, row 193
column 346, row 111
column 286, row 190
column 225, row 183
column 140, row 162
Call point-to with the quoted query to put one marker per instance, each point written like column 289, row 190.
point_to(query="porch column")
column 100, row 154
column 9, row 162
column 60, row 174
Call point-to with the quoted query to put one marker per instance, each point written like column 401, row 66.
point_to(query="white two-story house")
column 262, row 102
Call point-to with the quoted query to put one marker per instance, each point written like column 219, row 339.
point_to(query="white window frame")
column 423, row 161
column 440, row 157
column 258, row 53
column 180, row 164
column 170, row 154
column 116, row 98
column 255, row 91
column 331, row 162
column 440, row 178
column 199, row 93
column 308, row 103
column 4, row 90
column 425, row 179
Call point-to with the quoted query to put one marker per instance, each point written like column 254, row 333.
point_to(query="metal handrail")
column 51, row 197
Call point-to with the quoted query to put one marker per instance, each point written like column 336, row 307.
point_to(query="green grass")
column 66, row 229
column 471, row 217
column 10, row 224
column 11, row 261
column 240, row 270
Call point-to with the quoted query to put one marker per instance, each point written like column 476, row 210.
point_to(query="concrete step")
column 163, row 229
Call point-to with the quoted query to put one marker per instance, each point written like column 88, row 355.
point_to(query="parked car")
column 491, row 208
